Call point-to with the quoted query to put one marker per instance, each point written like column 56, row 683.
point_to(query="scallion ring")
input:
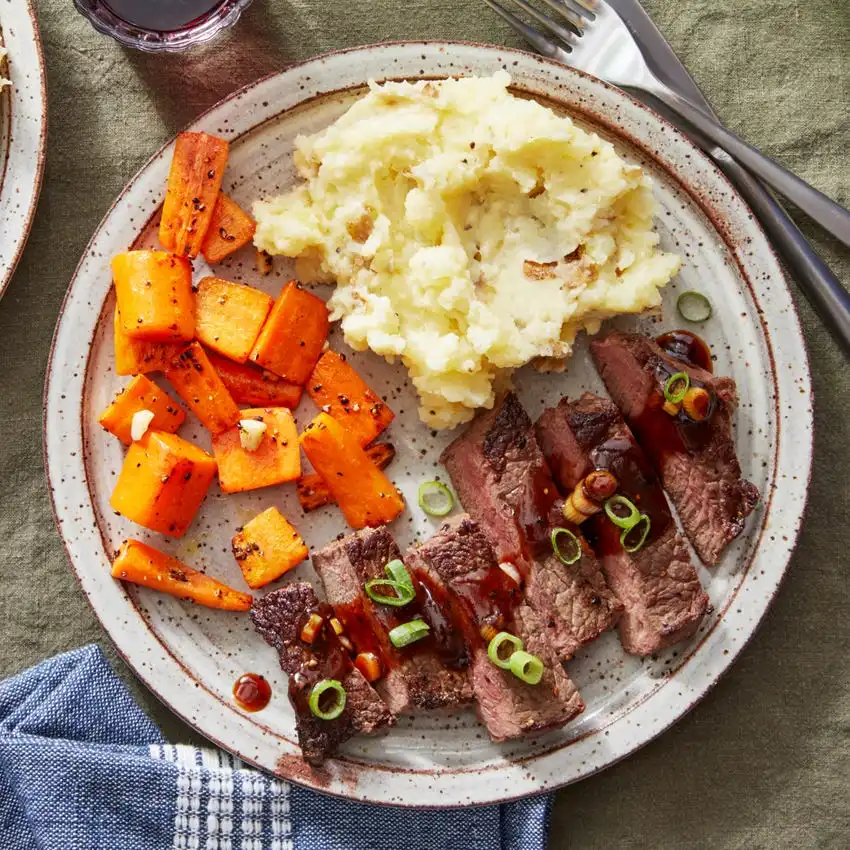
column 676, row 387
column 527, row 667
column 495, row 646
column 435, row 498
column 397, row 571
column 694, row 306
column 621, row 520
column 408, row 633
column 404, row 593
column 643, row 520
column 570, row 557
column 315, row 699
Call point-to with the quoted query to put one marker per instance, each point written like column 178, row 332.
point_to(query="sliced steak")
column 695, row 461
column 415, row 677
column 280, row 617
column 459, row 562
column 658, row 585
column 502, row 480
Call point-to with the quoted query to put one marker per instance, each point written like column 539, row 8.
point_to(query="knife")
column 829, row 298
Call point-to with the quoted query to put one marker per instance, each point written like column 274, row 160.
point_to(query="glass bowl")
column 207, row 26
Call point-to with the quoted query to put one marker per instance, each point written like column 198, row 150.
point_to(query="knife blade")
column 820, row 286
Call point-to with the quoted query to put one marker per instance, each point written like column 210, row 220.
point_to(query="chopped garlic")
column 140, row 423
column 251, row 434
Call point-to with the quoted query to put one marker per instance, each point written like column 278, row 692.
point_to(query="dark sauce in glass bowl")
column 162, row 15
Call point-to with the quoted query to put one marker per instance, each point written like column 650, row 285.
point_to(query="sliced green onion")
column 693, row 306
column 621, row 521
column 527, row 667
column 572, row 557
column 497, row 643
column 319, row 690
column 676, row 387
column 435, row 498
column 397, row 572
column 408, row 633
column 642, row 520
column 404, row 593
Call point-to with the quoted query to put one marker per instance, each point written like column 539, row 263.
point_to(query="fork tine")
column 535, row 38
column 567, row 10
column 584, row 8
column 567, row 36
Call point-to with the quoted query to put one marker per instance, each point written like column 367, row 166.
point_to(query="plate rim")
column 8, row 270
column 696, row 196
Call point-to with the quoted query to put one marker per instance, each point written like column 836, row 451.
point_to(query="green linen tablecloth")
column 763, row 761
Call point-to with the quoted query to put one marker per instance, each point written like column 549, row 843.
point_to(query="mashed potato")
column 468, row 232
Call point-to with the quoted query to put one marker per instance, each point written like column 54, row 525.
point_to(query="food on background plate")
column 692, row 451
column 503, row 482
column 426, row 674
column 139, row 563
column 645, row 560
column 312, row 490
column 141, row 394
column 162, row 483
column 274, row 459
column 468, row 232
column 331, row 698
column 364, row 494
column 267, row 547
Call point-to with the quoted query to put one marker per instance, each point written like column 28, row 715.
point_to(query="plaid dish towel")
column 82, row 768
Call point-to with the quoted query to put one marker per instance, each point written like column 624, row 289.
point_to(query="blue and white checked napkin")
column 82, row 768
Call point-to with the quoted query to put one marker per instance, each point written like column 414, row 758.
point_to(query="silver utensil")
column 630, row 46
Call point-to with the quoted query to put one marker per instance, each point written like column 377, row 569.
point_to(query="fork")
column 593, row 33
column 595, row 39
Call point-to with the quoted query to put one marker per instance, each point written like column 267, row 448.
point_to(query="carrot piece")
column 194, row 182
column 230, row 229
column 162, row 483
column 293, row 336
column 338, row 390
column 154, row 295
column 199, row 385
column 136, row 356
column 139, row 563
column 141, row 394
column 228, row 316
column 363, row 492
column 250, row 385
column 275, row 461
column 312, row 491
column 267, row 547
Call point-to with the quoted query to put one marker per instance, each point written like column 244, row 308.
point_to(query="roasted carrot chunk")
column 276, row 459
column 137, row 356
column 267, row 547
column 141, row 394
column 230, row 229
column 338, row 390
column 312, row 491
column 293, row 336
column 139, row 563
column 193, row 186
column 154, row 294
column 258, row 387
column 199, row 385
column 228, row 316
column 163, row 482
column 363, row 492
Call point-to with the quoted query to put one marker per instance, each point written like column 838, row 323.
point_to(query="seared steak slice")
column 663, row 598
column 502, row 480
column 696, row 461
column 414, row 677
column 280, row 617
column 460, row 559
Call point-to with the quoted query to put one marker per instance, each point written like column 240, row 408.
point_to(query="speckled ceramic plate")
column 191, row 656
column 23, row 131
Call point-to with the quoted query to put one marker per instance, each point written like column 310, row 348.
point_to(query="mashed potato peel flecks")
column 468, row 232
